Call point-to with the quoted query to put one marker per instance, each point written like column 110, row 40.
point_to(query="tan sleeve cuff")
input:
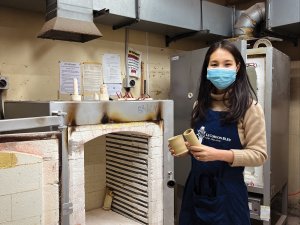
column 238, row 157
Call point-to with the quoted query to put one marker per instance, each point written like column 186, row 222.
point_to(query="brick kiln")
column 117, row 145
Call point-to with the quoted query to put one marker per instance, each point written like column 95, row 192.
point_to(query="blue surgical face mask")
column 221, row 78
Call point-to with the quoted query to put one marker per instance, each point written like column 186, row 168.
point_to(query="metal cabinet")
column 273, row 94
column 185, row 81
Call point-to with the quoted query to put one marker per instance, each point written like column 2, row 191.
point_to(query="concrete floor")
column 100, row 216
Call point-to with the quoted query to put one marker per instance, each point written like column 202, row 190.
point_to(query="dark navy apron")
column 215, row 193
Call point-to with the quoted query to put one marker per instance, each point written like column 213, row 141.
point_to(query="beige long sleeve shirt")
column 252, row 133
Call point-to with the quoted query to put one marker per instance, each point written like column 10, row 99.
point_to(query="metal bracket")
column 61, row 115
column 125, row 24
column 62, row 127
column 98, row 13
column 179, row 36
column 290, row 38
column 67, row 208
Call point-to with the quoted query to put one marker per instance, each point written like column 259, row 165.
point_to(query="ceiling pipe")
column 246, row 23
column 268, row 14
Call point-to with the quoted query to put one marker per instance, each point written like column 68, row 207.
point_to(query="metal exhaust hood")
column 69, row 21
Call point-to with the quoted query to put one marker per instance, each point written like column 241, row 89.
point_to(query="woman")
column 215, row 192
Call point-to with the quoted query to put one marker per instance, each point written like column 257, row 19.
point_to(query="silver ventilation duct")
column 249, row 19
column 69, row 21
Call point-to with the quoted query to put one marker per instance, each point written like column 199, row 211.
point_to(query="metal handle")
column 190, row 95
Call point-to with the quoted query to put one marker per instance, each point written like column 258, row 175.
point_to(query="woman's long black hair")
column 239, row 96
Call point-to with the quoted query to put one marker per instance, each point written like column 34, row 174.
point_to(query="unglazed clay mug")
column 178, row 145
column 191, row 137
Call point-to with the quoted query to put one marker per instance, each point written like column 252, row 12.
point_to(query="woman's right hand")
column 171, row 150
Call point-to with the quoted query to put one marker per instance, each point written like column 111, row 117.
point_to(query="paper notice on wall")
column 134, row 63
column 69, row 71
column 113, row 89
column 92, row 79
column 111, row 68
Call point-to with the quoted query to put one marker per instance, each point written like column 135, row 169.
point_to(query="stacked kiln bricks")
column 95, row 173
column 79, row 135
column 29, row 192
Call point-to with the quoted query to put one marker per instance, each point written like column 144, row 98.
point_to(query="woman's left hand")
column 204, row 153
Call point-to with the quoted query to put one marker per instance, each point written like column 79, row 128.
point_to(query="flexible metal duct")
column 249, row 19
column 69, row 21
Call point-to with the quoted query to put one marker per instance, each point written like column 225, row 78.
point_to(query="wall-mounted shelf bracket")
column 102, row 12
column 179, row 36
column 125, row 24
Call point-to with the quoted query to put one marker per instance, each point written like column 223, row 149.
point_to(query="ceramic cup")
column 191, row 137
column 108, row 200
column 178, row 145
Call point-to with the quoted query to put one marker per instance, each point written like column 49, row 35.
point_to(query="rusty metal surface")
column 29, row 136
column 90, row 112
column 29, row 123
